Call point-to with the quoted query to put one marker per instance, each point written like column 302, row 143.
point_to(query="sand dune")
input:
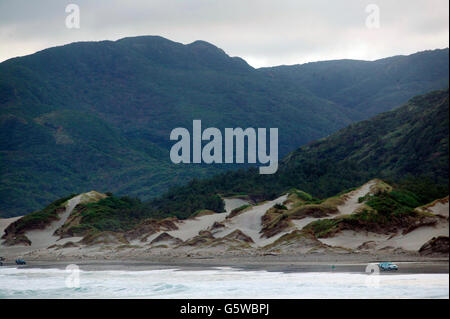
column 190, row 228
column 233, row 203
column 213, row 242
column 351, row 203
column 411, row 241
column 415, row 239
column 5, row 222
column 438, row 207
column 44, row 238
column 249, row 222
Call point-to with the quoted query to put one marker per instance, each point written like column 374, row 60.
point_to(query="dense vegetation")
column 110, row 214
column 120, row 214
column 370, row 87
column 408, row 145
column 184, row 201
column 97, row 115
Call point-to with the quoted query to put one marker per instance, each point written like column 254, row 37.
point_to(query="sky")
column 264, row 33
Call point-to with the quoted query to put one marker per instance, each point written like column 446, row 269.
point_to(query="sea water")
column 217, row 283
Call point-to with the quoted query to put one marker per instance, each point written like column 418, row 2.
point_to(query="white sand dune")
column 5, row 222
column 415, row 239
column 233, row 203
column 351, row 239
column 352, row 204
column 190, row 228
column 300, row 223
column 411, row 241
column 249, row 222
column 440, row 208
column 43, row 238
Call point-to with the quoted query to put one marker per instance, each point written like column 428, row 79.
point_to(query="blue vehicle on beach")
column 20, row 262
column 388, row 266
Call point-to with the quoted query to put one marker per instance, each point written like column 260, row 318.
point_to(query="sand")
column 250, row 223
column 440, row 208
column 190, row 228
column 415, row 239
column 233, row 203
column 44, row 238
column 351, row 239
column 411, row 241
column 5, row 222
column 352, row 204
column 311, row 263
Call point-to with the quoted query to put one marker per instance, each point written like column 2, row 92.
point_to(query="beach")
column 307, row 263
column 213, row 278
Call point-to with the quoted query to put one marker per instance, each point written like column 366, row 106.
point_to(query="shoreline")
column 260, row 263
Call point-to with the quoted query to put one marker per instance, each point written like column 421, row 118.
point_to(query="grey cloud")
column 261, row 31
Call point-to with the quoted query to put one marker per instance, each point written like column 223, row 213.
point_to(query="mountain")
column 410, row 140
column 97, row 115
column 409, row 144
column 370, row 87
column 242, row 212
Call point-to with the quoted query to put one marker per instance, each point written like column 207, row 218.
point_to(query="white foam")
column 217, row 283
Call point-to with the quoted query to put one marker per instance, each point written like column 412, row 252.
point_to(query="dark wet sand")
column 267, row 263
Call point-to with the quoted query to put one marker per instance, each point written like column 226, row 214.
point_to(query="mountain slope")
column 97, row 115
column 369, row 87
column 410, row 141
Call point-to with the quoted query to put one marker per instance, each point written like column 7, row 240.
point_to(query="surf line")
column 212, row 151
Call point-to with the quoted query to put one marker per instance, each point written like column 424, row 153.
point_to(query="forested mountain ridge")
column 408, row 145
column 97, row 115
column 370, row 87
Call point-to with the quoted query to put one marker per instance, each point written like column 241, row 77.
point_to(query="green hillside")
column 97, row 115
column 408, row 145
column 369, row 87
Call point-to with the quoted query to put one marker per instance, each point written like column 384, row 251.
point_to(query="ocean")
column 215, row 283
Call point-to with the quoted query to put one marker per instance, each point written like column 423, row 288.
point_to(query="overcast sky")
column 263, row 32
